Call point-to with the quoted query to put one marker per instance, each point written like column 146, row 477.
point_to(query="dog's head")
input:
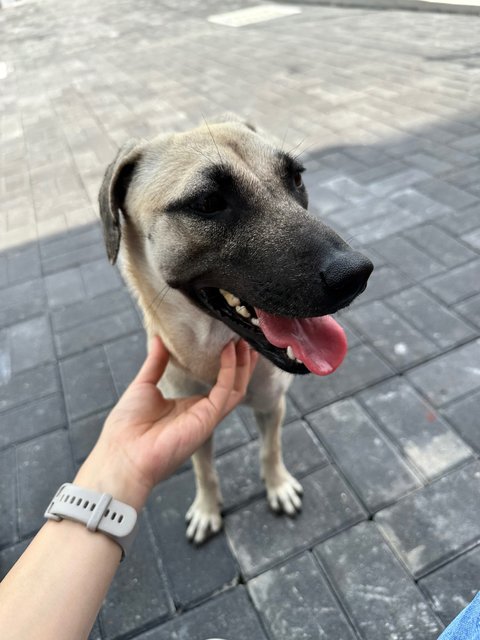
column 220, row 213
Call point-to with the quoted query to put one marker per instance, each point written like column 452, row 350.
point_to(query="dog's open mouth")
column 297, row 345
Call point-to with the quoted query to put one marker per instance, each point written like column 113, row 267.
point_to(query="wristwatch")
column 98, row 511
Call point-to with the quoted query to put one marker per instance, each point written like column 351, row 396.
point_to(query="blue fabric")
column 466, row 625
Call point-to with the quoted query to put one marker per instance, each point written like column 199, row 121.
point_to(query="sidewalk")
column 384, row 108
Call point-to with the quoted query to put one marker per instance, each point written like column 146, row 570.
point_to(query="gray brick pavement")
column 387, row 545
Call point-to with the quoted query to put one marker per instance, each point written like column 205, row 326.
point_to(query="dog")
column 217, row 244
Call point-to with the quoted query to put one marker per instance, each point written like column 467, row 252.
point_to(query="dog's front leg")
column 283, row 491
column 204, row 517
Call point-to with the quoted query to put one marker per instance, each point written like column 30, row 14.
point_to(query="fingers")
column 155, row 363
column 246, row 361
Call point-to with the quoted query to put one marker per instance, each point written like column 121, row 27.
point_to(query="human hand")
column 146, row 437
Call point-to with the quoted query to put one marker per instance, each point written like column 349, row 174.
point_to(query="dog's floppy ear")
column 112, row 194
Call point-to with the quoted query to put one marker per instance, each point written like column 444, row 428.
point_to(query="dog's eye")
column 208, row 205
column 297, row 179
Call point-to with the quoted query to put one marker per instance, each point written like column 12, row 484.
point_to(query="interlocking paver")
column 261, row 538
column 229, row 614
column 380, row 476
column 385, row 123
column 399, row 343
column 295, row 601
column 32, row 419
column 378, row 593
column 421, row 434
column 209, row 571
column 239, row 470
column 450, row 376
column 415, row 525
column 138, row 595
column 442, row 325
column 87, row 383
column 35, row 487
column 456, row 284
column 453, row 586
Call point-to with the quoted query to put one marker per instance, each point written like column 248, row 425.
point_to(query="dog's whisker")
column 213, row 139
column 155, row 302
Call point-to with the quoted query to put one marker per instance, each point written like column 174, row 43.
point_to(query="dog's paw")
column 203, row 519
column 284, row 493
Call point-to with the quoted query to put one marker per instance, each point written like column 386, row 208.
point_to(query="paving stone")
column 292, row 413
column 29, row 385
column 36, row 487
column 87, row 383
column 387, row 225
column 459, row 222
column 452, row 587
column 408, row 258
column 419, row 431
column 73, row 258
column 473, row 239
column 432, row 525
column 87, row 311
column 362, row 367
column 457, row 284
column 394, row 183
column 239, row 470
column 229, row 615
column 22, row 301
column 65, row 287
column 30, row 344
column 380, row 596
column 400, row 343
column 324, row 200
column 449, row 376
column 463, row 415
column 100, row 277
column 384, row 281
column 84, row 433
column 429, row 163
column 230, row 433
column 411, row 201
column 440, row 245
column 361, row 213
column 295, row 601
column 138, row 596
column 446, row 194
column 32, row 419
column 125, row 356
column 10, row 555
column 24, row 264
column 64, row 243
column 98, row 332
column 211, row 567
column 470, row 309
column 363, row 454
column 7, row 497
column 260, row 538
column 384, row 170
column 441, row 325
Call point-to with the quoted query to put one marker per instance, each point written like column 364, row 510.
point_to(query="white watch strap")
column 98, row 511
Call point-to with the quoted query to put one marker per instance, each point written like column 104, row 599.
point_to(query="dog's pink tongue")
column 320, row 343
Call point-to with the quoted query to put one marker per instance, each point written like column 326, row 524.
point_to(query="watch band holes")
column 120, row 518
column 107, row 512
column 92, row 506
column 79, row 502
column 72, row 499
column 113, row 516
column 85, row 504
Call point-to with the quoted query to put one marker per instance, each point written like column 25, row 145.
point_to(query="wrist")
column 105, row 471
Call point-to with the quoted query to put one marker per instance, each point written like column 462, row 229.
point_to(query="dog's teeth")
column 255, row 321
column 290, row 353
column 232, row 300
column 242, row 311
column 299, row 361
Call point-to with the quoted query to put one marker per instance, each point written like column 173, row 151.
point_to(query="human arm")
column 56, row 588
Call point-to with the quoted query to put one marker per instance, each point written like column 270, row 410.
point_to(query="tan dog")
column 217, row 243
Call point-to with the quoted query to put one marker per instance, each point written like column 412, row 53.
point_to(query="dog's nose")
column 347, row 274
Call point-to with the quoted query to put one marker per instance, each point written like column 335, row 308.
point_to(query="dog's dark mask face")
column 232, row 232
